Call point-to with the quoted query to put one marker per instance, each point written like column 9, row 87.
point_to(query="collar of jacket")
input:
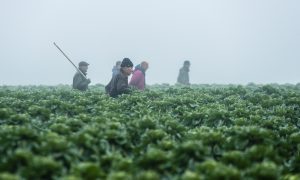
column 123, row 75
column 82, row 72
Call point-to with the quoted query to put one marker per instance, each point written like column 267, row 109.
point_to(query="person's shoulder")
column 77, row 74
column 138, row 72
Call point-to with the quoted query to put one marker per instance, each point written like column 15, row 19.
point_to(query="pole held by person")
column 69, row 60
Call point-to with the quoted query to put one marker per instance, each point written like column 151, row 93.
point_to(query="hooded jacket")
column 138, row 78
column 183, row 77
column 118, row 85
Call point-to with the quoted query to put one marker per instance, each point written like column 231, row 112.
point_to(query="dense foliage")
column 167, row 132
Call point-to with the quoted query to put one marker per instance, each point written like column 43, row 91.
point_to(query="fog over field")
column 226, row 41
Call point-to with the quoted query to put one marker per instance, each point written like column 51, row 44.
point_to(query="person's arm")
column 122, row 86
column 80, row 82
column 188, row 79
column 84, row 83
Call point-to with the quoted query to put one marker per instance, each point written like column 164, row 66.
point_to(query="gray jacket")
column 80, row 83
column 118, row 85
column 183, row 77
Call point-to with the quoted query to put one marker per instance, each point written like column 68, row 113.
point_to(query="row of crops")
column 167, row 132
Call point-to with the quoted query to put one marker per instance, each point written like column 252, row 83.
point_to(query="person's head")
column 83, row 66
column 126, row 67
column 118, row 64
column 186, row 64
column 145, row 65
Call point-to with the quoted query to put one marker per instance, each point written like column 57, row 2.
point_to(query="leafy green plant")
column 165, row 132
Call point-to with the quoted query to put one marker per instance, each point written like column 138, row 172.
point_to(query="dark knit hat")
column 126, row 63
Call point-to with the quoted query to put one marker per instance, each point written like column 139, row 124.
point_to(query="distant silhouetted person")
column 183, row 77
column 80, row 82
column 138, row 79
column 116, row 68
column 119, row 83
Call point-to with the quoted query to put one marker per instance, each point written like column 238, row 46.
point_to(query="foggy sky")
column 227, row 41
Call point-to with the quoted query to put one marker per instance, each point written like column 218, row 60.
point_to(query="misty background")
column 227, row 41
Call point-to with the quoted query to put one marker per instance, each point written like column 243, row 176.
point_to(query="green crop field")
column 167, row 132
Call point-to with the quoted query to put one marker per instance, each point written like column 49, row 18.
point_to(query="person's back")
column 138, row 79
column 183, row 77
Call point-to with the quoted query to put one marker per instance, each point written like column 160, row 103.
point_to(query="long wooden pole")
column 69, row 60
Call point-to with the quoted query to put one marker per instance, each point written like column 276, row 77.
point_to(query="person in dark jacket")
column 119, row 83
column 80, row 82
column 138, row 79
column 183, row 77
column 116, row 68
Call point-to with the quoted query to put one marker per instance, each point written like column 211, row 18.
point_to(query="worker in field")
column 183, row 77
column 80, row 82
column 116, row 68
column 119, row 83
column 138, row 79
